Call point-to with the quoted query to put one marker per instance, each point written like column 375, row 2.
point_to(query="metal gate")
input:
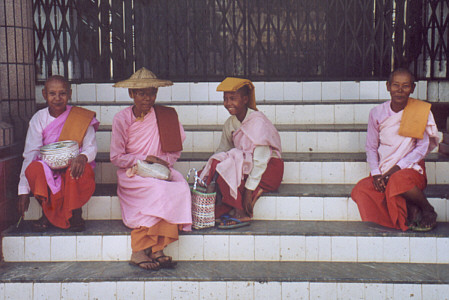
column 271, row 40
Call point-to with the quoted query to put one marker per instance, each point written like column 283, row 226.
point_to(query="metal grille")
column 84, row 40
column 205, row 40
column 432, row 62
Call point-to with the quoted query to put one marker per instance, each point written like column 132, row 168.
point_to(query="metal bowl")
column 58, row 155
column 154, row 170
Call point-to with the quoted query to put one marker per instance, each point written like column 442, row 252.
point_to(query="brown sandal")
column 42, row 224
column 140, row 264
column 77, row 223
column 138, row 259
column 431, row 217
column 166, row 262
column 79, row 226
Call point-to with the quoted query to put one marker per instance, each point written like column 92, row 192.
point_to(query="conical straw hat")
column 143, row 79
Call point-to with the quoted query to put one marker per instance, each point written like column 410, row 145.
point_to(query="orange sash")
column 76, row 125
column 168, row 125
column 414, row 118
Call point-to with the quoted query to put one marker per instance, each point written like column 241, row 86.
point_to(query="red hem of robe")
column 74, row 193
column 388, row 209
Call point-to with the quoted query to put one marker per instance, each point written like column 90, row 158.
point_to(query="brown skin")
column 236, row 104
column 144, row 100
column 400, row 86
column 140, row 256
column 56, row 93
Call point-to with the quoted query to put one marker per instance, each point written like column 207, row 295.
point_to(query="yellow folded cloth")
column 232, row 84
column 414, row 118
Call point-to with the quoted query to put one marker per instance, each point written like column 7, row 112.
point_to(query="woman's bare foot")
column 241, row 215
column 238, row 219
column 414, row 215
column 163, row 260
column 141, row 260
column 429, row 219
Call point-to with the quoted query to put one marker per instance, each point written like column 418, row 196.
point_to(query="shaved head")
column 57, row 78
column 401, row 71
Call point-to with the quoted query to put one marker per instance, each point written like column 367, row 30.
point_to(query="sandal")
column 79, row 226
column 432, row 215
column 42, row 224
column 138, row 259
column 219, row 220
column 139, row 264
column 77, row 223
column 165, row 262
column 415, row 221
column 225, row 220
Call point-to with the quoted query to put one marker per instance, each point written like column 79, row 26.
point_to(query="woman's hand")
column 380, row 181
column 157, row 160
column 77, row 166
column 23, row 204
column 247, row 202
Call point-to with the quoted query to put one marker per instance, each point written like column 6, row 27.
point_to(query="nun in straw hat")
column 154, row 208
column 248, row 160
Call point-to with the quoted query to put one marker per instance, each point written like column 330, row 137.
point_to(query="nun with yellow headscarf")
column 248, row 160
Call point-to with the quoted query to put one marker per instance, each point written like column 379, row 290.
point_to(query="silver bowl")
column 58, row 155
column 154, row 170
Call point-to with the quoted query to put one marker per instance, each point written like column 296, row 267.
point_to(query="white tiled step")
column 232, row 290
column 267, row 208
column 294, row 113
column 206, row 91
column 326, row 172
column 292, row 141
column 262, row 241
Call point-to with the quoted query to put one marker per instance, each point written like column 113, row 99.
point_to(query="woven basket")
column 203, row 208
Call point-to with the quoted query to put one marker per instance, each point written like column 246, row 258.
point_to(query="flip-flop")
column 41, row 225
column 78, row 227
column 238, row 223
column 420, row 228
column 139, row 265
column 167, row 264
column 220, row 219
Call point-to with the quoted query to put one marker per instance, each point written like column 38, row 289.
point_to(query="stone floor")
column 302, row 190
column 228, row 271
column 303, row 228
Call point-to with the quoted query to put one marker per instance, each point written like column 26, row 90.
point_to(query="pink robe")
column 389, row 208
column 256, row 130
column 393, row 147
column 145, row 201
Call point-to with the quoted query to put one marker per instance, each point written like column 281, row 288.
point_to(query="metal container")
column 154, row 170
column 58, row 155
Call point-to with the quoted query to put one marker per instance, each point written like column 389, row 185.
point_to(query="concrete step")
column 307, row 168
column 311, row 202
column 224, row 280
column 325, row 241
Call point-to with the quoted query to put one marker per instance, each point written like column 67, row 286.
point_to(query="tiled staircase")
column 307, row 241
